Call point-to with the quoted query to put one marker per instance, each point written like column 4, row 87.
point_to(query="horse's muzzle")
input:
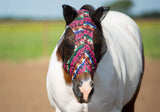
column 83, row 89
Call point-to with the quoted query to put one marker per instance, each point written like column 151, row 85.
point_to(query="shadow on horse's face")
column 82, row 49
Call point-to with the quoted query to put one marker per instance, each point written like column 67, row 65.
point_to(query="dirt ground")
column 23, row 87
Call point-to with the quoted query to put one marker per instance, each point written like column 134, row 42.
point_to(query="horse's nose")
column 87, row 88
column 83, row 87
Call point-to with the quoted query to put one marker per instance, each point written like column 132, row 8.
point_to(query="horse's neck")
column 124, row 45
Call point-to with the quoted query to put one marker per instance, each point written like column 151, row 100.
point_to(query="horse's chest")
column 59, row 92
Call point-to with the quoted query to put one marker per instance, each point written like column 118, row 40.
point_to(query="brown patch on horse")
column 83, row 76
column 79, row 77
column 66, row 48
column 67, row 77
column 58, row 56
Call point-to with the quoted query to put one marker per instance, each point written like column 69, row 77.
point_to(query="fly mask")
column 83, row 58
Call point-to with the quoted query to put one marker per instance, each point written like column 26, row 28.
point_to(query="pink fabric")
column 83, row 58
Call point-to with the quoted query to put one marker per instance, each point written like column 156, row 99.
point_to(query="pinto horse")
column 98, row 63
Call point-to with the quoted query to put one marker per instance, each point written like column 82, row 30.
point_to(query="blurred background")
column 29, row 31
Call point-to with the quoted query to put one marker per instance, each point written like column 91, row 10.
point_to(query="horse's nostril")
column 80, row 84
column 91, row 84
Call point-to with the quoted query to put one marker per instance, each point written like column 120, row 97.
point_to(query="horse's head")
column 82, row 48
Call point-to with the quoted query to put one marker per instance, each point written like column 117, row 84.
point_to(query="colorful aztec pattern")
column 83, row 58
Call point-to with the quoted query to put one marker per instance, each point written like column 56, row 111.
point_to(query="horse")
column 98, row 63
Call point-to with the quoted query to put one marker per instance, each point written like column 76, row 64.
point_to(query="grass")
column 150, row 31
column 22, row 40
column 26, row 40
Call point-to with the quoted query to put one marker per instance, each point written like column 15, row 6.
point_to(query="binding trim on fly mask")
column 83, row 58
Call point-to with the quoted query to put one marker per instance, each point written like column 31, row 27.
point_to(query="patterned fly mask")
column 83, row 58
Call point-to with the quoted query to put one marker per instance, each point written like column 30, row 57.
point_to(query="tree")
column 122, row 6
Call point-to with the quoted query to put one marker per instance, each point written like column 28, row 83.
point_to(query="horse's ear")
column 69, row 13
column 98, row 15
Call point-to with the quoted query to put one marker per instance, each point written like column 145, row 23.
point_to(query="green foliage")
column 153, row 14
column 27, row 40
column 24, row 40
column 121, row 5
column 151, row 37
